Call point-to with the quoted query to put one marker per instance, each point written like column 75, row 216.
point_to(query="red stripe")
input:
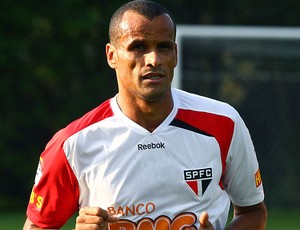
column 221, row 127
column 101, row 112
column 57, row 173
column 193, row 185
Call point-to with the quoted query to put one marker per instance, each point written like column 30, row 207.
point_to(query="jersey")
column 198, row 159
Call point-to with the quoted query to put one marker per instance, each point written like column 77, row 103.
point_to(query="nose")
column 152, row 59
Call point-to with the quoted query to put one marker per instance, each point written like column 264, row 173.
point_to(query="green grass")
column 15, row 221
column 283, row 219
column 277, row 220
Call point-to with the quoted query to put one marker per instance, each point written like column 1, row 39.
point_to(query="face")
column 144, row 57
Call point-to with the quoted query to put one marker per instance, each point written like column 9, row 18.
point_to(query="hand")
column 94, row 218
column 205, row 223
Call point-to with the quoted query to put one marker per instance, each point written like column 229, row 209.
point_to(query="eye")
column 139, row 47
column 165, row 46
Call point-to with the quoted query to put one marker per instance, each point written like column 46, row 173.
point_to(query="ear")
column 111, row 55
column 176, row 52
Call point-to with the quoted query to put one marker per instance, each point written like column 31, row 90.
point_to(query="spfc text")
column 197, row 174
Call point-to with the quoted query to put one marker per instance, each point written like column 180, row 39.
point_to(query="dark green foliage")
column 53, row 68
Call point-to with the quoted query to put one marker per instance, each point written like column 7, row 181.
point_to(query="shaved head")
column 147, row 9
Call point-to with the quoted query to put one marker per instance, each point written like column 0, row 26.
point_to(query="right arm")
column 30, row 226
column 54, row 196
column 89, row 218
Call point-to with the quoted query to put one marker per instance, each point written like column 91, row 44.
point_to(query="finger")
column 88, row 227
column 95, row 215
column 204, row 219
column 204, row 222
column 103, row 213
column 107, row 217
column 90, row 211
column 93, row 211
column 112, row 219
column 90, row 220
column 80, row 220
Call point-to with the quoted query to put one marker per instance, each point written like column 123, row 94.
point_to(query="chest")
column 128, row 168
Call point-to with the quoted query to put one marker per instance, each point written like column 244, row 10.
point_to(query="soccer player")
column 152, row 157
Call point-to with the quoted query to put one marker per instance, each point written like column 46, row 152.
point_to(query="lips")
column 153, row 76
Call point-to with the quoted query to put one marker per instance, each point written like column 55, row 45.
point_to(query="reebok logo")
column 159, row 145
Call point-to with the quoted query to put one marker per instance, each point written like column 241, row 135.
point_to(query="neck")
column 147, row 114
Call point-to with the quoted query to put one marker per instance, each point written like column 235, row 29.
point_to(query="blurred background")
column 53, row 69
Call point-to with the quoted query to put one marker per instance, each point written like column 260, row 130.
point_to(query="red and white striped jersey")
column 198, row 159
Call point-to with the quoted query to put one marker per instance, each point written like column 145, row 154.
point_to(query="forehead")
column 136, row 26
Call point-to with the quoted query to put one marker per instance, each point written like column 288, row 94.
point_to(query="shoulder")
column 98, row 114
column 191, row 101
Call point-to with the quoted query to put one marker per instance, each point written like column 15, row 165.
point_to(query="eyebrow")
column 143, row 41
column 134, row 42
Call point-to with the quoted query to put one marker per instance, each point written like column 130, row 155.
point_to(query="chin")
column 157, row 96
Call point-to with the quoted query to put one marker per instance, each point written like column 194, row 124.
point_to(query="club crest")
column 198, row 179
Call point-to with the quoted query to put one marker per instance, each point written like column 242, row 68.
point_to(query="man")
column 152, row 157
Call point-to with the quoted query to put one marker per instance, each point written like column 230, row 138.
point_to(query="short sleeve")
column 54, row 197
column 242, row 179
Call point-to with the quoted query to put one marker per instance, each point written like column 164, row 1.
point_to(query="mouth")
column 153, row 76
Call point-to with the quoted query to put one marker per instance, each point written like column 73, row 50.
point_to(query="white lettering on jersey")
column 197, row 174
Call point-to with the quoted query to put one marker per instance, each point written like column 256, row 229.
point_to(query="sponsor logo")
column 182, row 221
column 139, row 209
column 36, row 199
column 159, row 145
column 257, row 178
column 198, row 179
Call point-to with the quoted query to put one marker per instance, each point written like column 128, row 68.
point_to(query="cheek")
column 128, row 63
column 172, row 63
column 128, row 71
column 174, row 59
column 170, row 59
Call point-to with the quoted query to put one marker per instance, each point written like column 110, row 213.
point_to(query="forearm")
column 30, row 226
column 246, row 222
column 251, row 218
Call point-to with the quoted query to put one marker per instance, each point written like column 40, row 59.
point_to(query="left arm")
column 249, row 217
column 246, row 218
